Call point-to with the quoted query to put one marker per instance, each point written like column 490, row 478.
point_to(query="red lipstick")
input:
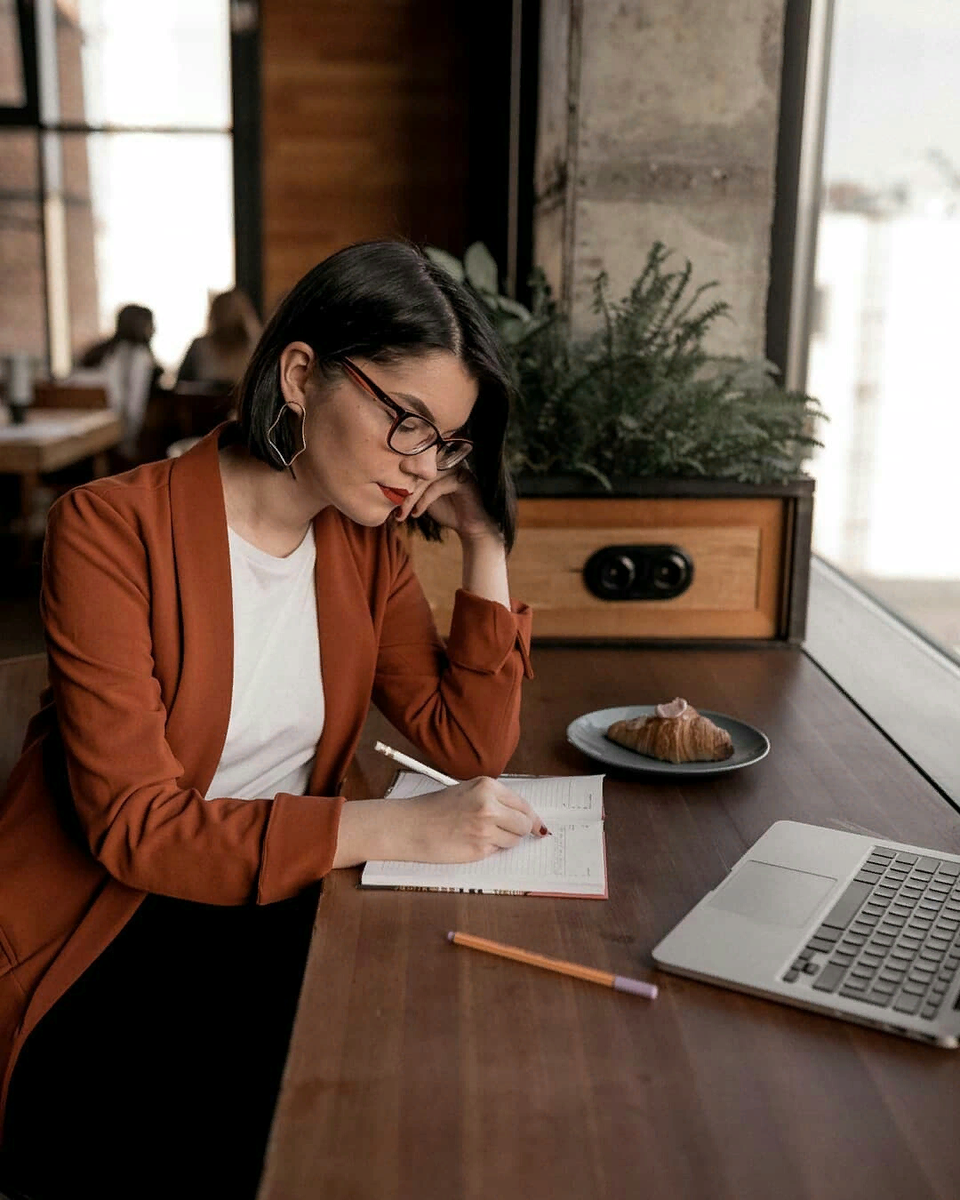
column 394, row 495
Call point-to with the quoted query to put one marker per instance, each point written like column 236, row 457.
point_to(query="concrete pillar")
column 658, row 121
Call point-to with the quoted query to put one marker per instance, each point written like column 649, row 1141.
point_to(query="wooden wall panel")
column 736, row 544
column 364, row 109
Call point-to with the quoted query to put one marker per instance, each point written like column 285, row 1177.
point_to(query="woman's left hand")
column 453, row 500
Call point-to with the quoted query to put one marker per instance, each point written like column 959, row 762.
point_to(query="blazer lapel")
column 200, row 713
column 348, row 650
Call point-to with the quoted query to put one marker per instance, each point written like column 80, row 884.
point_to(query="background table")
column 418, row 1069
column 48, row 440
column 54, row 438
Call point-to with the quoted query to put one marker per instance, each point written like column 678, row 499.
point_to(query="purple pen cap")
column 636, row 987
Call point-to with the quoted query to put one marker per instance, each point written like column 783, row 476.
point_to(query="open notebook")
column 572, row 862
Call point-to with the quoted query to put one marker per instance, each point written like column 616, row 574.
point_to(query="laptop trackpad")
column 773, row 895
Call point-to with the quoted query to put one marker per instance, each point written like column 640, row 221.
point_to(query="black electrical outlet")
column 638, row 572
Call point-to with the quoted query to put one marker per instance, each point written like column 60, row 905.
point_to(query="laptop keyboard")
column 893, row 937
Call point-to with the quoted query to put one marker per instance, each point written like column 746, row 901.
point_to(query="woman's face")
column 347, row 462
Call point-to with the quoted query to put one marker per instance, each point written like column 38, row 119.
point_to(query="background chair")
column 49, row 393
column 21, row 682
column 200, row 407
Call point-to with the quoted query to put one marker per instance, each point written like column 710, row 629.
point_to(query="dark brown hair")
column 386, row 301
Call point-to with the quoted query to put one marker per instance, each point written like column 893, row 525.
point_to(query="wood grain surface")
column 419, row 1069
column 737, row 547
column 54, row 438
column 56, row 394
column 364, row 112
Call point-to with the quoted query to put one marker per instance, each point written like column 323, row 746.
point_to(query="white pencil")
column 406, row 761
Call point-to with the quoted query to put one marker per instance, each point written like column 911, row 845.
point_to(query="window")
column 888, row 256
column 866, row 249
column 118, row 186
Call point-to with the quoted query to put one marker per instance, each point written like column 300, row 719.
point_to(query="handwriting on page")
column 576, row 795
column 562, row 856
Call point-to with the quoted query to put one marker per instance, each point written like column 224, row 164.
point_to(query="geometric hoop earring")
column 273, row 445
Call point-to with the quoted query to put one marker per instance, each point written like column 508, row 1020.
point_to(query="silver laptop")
column 854, row 927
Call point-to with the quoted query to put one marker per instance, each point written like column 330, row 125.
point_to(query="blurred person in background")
column 125, row 365
column 220, row 356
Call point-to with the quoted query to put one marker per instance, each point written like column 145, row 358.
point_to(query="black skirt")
column 157, row 1073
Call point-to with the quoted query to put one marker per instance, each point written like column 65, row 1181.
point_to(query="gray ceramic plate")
column 588, row 732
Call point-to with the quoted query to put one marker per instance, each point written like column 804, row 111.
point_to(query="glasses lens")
column 452, row 453
column 413, row 435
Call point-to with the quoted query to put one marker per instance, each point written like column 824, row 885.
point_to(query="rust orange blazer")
column 107, row 801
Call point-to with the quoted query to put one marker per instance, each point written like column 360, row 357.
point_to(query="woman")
column 125, row 364
column 220, row 357
column 217, row 626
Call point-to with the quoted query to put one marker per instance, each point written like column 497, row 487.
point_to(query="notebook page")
column 569, row 862
column 554, row 797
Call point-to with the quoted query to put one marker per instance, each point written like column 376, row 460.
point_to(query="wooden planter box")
column 749, row 545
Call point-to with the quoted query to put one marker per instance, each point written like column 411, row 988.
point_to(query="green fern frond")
column 641, row 396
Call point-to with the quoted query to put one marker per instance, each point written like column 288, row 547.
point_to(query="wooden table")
column 421, row 1070
column 48, row 440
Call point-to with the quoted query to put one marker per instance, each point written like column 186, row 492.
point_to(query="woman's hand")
column 453, row 500
column 467, row 822
column 463, row 823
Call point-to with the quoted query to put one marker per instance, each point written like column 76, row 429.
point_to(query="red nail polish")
column 545, row 832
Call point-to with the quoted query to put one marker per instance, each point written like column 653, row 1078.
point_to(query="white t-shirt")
column 277, row 710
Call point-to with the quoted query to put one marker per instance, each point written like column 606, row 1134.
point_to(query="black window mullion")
column 247, row 201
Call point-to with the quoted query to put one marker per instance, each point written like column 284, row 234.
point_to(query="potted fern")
column 634, row 434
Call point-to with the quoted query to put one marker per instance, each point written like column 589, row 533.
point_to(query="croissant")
column 677, row 734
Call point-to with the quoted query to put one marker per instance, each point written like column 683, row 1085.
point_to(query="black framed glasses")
column 410, row 433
